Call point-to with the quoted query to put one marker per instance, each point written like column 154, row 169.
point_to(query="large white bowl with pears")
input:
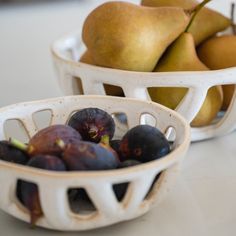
column 179, row 80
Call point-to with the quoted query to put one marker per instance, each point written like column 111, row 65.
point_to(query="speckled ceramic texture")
column 67, row 51
column 53, row 187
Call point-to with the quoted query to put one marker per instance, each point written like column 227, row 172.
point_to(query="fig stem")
column 18, row 144
column 30, row 149
column 193, row 12
column 105, row 140
column 60, row 143
column 93, row 132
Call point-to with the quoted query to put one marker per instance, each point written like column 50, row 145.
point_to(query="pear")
column 130, row 37
column 87, row 58
column 110, row 89
column 206, row 23
column 182, row 56
column 228, row 92
column 219, row 53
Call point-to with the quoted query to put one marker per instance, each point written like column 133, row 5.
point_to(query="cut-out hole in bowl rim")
column 148, row 119
column 77, row 85
column 229, row 92
column 154, row 186
column 32, row 190
column 14, row 128
column 170, row 134
column 69, row 53
column 43, row 118
column 121, row 124
column 71, row 114
column 168, row 96
column 113, row 90
column 120, row 190
column 80, row 203
column 171, row 97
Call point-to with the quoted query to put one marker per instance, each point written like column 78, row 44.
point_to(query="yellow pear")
column 182, row 56
column 228, row 92
column 219, row 53
column 130, row 37
column 110, row 89
column 87, row 58
column 207, row 23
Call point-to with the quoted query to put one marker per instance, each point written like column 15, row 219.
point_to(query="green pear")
column 130, row 37
column 110, row 89
column 207, row 23
column 182, row 56
column 219, row 53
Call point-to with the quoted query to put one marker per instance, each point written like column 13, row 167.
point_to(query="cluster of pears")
column 161, row 36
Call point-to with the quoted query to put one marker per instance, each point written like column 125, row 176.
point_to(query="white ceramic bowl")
column 67, row 51
column 53, row 186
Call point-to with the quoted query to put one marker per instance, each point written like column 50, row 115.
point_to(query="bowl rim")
column 68, row 69
column 169, row 159
column 56, row 46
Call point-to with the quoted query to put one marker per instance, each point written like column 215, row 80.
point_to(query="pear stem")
column 232, row 17
column 18, row 144
column 195, row 11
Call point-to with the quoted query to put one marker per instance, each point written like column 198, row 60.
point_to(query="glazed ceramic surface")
column 53, row 187
column 75, row 77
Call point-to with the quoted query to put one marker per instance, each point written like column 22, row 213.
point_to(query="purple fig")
column 45, row 141
column 92, row 124
column 89, row 156
column 28, row 193
column 10, row 153
column 144, row 143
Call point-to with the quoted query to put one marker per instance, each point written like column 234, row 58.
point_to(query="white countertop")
column 203, row 200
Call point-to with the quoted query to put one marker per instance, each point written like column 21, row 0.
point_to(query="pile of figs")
column 84, row 144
